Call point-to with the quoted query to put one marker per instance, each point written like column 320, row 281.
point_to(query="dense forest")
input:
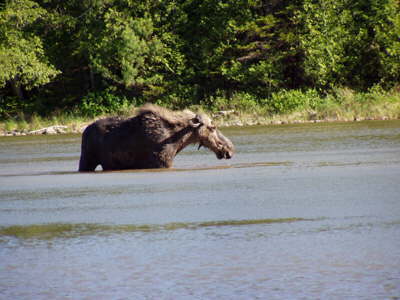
column 91, row 56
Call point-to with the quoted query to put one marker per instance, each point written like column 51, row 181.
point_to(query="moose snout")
column 223, row 146
column 225, row 152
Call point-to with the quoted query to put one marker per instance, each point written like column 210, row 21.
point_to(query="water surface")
column 301, row 211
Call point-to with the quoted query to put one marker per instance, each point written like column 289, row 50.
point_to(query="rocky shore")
column 221, row 119
column 51, row 130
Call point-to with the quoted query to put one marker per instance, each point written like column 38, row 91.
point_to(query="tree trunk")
column 91, row 74
column 17, row 89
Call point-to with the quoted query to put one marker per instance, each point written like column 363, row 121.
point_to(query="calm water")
column 301, row 212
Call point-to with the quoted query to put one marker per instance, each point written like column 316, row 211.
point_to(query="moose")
column 150, row 139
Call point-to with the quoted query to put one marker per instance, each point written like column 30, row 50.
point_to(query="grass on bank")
column 26, row 124
column 290, row 106
column 293, row 106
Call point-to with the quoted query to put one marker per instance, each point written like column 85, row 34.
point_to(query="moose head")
column 210, row 137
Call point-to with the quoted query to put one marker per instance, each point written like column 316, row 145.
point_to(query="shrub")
column 240, row 101
column 287, row 101
column 100, row 103
column 11, row 107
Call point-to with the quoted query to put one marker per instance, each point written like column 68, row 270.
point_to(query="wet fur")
column 151, row 139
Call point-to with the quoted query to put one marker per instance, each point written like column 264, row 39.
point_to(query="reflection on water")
column 240, row 165
column 301, row 211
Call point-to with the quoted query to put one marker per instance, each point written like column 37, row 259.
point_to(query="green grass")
column 341, row 104
column 35, row 122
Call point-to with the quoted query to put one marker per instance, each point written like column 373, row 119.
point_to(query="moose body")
column 151, row 139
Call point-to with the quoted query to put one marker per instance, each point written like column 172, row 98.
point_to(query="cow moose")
column 150, row 139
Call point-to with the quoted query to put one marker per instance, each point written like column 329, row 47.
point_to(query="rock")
column 333, row 119
column 312, row 115
column 50, row 130
column 251, row 123
column 225, row 112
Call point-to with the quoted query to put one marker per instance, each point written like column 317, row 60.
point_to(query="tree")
column 206, row 29
column 240, row 46
column 127, row 52
column 387, row 28
column 23, row 62
column 351, row 43
column 265, row 55
column 327, row 35
column 125, row 44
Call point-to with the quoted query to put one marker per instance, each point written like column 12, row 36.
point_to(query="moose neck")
column 183, row 138
column 174, row 144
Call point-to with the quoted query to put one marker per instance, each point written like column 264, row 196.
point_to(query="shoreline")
column 221, row 119
column 341, row 105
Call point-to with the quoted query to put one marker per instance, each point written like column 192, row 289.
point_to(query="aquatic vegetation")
column 59, row 230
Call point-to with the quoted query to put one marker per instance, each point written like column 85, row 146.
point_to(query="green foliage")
column 22, row 58
column 11, row 107
column 239, row 101
column 101, row 103
column 347, row 104
column 331, row 35
column 287, row 101
column 265, row 52
column 127, row 52
column 230, row 54
column 351, row 43
column 387, row 29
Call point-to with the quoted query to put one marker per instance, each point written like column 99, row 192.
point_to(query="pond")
column 300, row 211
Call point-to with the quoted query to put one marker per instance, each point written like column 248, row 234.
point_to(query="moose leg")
column 87, row 163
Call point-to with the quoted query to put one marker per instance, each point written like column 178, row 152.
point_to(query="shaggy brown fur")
column 151, row 139
column 172, row 117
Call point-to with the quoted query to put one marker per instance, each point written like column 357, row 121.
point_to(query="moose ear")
column 195, row 122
